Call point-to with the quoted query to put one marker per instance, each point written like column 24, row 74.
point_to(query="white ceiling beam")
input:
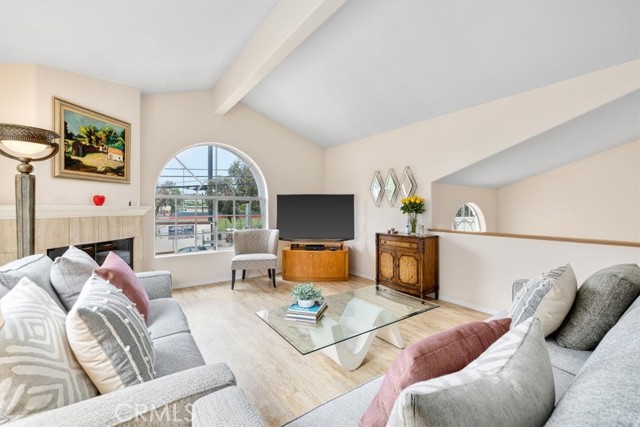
column 288, row 25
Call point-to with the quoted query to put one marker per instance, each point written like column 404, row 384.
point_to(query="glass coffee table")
column 350, row 323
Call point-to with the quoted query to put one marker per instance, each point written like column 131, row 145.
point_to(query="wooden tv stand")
column 330, row 264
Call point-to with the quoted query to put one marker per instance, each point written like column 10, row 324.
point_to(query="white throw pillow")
column 39, row 370
column 548, row 297
column 109, row 337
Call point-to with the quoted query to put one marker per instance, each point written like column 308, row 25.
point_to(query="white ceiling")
column 155, row 45
column 606, row 127
column 373, row 66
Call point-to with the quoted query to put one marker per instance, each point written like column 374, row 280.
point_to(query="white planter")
column 306, row 303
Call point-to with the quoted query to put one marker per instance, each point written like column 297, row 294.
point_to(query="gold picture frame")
column 93, row 146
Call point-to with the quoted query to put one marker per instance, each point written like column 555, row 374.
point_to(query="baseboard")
column 217, row 280
column 445, row 298
column 468, row 305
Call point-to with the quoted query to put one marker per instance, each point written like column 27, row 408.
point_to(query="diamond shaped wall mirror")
column 376, row 188
column 408, row 184
column 391, row 187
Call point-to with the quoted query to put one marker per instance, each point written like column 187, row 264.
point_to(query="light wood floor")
column 279, row 382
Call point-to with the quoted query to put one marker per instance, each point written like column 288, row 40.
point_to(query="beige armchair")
column 255, row 249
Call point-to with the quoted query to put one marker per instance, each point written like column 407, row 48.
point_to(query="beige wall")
column 597, row 197
column 172, row 122
column 26, row 97
column 447, row 199
column 478, row 271
column 437, row 147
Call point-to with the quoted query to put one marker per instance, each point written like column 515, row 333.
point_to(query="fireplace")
column 99, row 250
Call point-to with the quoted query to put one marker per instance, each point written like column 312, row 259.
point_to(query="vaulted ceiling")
column 338, row 74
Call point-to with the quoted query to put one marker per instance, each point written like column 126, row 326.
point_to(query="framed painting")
column 93, row 146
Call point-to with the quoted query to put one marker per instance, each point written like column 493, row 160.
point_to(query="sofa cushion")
column 567, row 359
column 600, row 302
column 566, row 365
column 166, row 318
column 510, row 384
column 118, row 273
column 605, row 391
column 432, row 357
column 39, row 370
column 36, row 267
column 175, row 353
column 343, row 411
column 70, row 272
column 228, row 407
column 548, row 297
column 109, row 337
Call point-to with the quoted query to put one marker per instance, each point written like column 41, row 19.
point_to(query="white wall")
column 26, row 98
column 447, row 199
column 437, row 147
column 596, row 197
column 478, row 271
column 172, row 122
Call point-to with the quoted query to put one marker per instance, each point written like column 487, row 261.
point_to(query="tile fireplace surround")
column 72, row 225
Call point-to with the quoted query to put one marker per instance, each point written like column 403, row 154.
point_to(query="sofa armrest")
column 228, row 407
column 517, row 285
column 162, row 401
column 158, row 284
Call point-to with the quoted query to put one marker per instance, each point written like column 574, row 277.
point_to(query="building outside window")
column 202, row 195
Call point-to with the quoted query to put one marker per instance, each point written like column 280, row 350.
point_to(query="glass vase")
column 413, row 222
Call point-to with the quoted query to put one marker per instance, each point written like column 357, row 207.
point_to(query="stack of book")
column 307, row 315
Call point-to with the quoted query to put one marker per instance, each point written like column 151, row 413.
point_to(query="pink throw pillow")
column 118, row 272
column 432, row 357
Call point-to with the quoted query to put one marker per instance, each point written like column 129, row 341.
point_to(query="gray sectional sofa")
column 181, row 374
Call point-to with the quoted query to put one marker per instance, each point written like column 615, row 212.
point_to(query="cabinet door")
column 386, row 269
column 409, row 269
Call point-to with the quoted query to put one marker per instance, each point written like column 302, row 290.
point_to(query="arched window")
column 202, row 195
column 469, row 218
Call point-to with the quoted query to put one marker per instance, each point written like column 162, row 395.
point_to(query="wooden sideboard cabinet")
column 407, row 264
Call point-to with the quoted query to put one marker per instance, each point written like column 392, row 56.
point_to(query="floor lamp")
column 26, row 144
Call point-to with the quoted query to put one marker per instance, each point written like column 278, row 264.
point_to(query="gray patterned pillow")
column 510, row 384
column 109, row 337
column 600, row 302
column 39, row 370
column 548, row 297
column 70, row 272
column 36, row 267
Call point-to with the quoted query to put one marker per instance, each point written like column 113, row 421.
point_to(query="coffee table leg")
column 350, row 354
column 391, row 334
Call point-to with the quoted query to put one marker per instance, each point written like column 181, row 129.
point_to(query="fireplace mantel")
column 58, row 226
column 43, row 212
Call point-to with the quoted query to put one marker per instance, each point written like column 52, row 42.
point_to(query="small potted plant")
column 306, row 294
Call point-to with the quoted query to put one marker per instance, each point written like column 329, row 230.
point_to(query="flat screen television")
column 315, row 216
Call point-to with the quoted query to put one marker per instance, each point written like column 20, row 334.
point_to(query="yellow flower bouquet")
column 412, row 206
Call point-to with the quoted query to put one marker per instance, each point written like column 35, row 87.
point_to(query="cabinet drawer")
column 395, row 243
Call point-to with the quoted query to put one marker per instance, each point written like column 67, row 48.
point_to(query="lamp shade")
column 25, row 142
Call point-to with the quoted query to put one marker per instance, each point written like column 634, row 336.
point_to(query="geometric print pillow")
column 548, row 297
column 109, row 337
column 38, row 369
column 510, row 384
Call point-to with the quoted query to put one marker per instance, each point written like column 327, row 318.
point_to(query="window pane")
column 466, row 219
column 203, row 194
